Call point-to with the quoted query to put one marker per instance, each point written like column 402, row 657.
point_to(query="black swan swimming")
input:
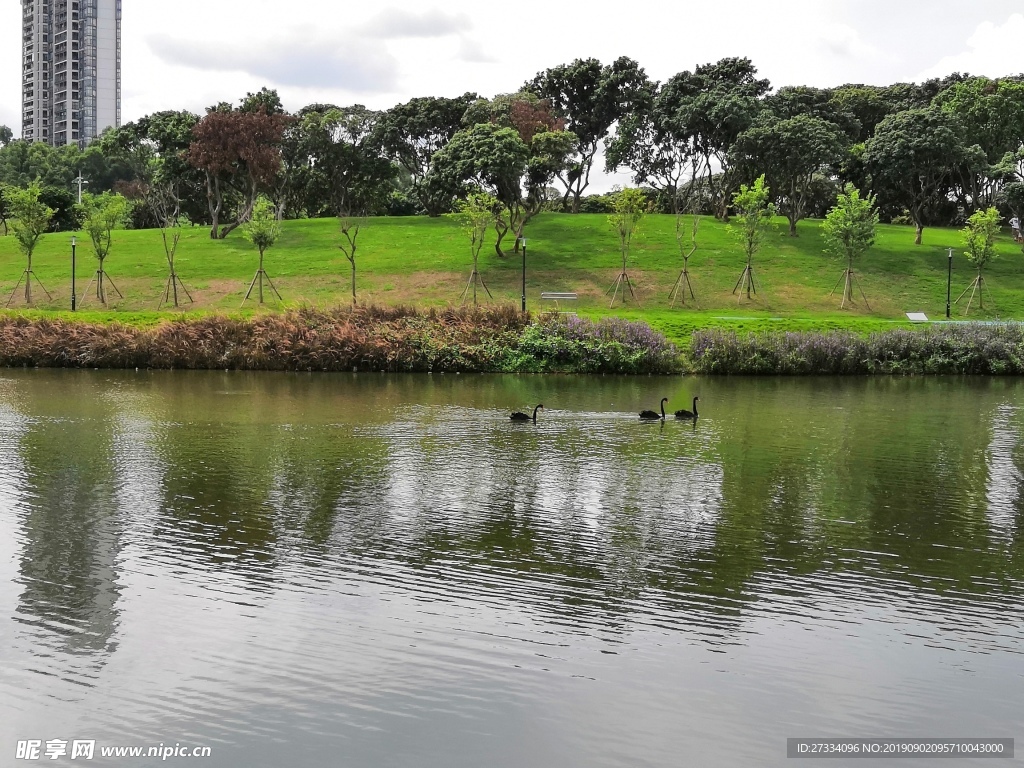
column 689, row 414
column 518, row 416
column 651, row 415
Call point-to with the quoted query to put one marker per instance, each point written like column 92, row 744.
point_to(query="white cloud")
column 394, row 23
column 992, row 51
column 472, row 52
column 845, row 42
column 295, row 59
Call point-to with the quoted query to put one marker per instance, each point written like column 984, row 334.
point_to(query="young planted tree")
column 30, row 220
column 686, row 250
column 348, row 162
column 477, row 214
column 101, row 215
column 629, row 208
column 979, row 239
column 849, row 231
column 165, row 204
column 262, row 230
column 755, row 212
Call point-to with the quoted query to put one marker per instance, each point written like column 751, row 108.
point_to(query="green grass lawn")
column 425, row 262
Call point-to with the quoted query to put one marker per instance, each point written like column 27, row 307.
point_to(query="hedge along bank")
column 499, row 340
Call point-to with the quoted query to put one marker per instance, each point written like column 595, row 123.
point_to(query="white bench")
column 557, row 297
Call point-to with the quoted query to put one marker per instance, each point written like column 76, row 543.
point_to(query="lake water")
column 374, row 570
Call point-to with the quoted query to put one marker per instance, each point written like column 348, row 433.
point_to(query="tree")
column 916, row 157
column 6, row 135
column 513, row 150
column 164, row 202
column 865, row 103
column 682, row 284
column 713, row 105
column 262, row 230
column 476, row 214
column 101, row 215
column 659, row 149
column 990, row 111
column 849, row 231
column 239, row 152
column 31, row 219
column 630, row 207
column 349, row 168
column 591, row 97
column 979, row 239
column 793, row 101
column 412, row 133
column 755, row 212
column 791, row 152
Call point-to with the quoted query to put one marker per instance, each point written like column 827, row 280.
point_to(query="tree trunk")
column 215, row 202
column 352, row 260
column 28, row 282
column 919, row 229
column 497, row 243
column 792, row 226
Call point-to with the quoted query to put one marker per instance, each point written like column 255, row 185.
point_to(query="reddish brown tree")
column 240, row 153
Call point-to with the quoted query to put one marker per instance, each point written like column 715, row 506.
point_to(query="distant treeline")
column 931, row 152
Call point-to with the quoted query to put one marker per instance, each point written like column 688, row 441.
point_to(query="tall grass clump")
column 962, row 348
column 371, row 338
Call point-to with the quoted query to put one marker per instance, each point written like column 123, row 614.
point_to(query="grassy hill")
column 426, row 262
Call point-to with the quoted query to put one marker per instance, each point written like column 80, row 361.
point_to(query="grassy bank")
column 424, row 262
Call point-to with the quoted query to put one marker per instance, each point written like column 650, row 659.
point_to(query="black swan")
column 651, row 415
column 517, row 416
column 689, row 414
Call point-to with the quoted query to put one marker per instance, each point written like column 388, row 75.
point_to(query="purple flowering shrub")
column 962, row 348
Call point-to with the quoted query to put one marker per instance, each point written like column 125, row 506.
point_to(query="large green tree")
column 713, row 105
column 791, row 153
column 916, row 158
column 513, row 150
column 6, row 135
column 591, row 97
column 413, row 132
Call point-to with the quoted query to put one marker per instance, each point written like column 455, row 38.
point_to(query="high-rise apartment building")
column 71, row 69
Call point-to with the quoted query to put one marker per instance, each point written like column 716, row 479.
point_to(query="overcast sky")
column 194, row 53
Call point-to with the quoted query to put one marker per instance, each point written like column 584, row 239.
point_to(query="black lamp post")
column 74, row 242
column 949, row 281
column 524, row 274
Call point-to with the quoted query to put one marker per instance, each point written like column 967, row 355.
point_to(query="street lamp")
column 80, row 181
column 74, row 242
column 524, row 275
column 949, row 281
